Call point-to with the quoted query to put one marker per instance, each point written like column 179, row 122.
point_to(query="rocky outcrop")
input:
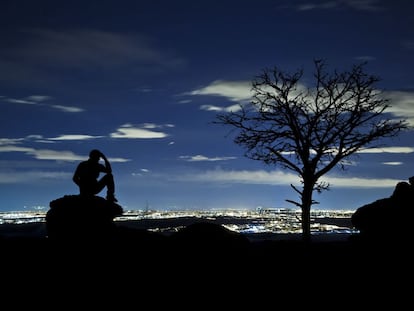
column 387, row 217
column 81, row 217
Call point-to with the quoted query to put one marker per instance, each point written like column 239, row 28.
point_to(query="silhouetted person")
column 87, row 174
column 411, row 182
column 402, row 192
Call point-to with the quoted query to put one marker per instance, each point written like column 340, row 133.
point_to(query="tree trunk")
column 306, row 209
column 306, row 233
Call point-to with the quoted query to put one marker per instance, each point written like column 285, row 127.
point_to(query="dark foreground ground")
column 204, row 266
column 200, row 245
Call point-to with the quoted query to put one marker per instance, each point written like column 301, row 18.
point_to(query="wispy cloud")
column 141, row 172
column 392, row 163
column 40, row 100
column 200, row 158
column 144, row 131
column 14, row 148
column 32, row 176
column 129, row 131
column 10, row 141
column 20, row 101
column 408, row 44
column 237, row 91
column 74, row 137
column 40, row 139
column 401, row 103
column 96, row 48
column 46, row 52
column 46, row 154
column 242, row 176
column 231, row 108
column 276, row 177
column 359, row 5
column 388, row 150
column 357, row 182
column 67, row 108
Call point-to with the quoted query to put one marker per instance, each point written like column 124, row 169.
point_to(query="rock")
column 76, row 216
column 389, row 218
column 372, row 218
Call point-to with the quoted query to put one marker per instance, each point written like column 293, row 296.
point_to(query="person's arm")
column 108, row 168
column 75, row 177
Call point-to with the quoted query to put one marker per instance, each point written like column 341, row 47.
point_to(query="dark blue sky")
column 143, row 80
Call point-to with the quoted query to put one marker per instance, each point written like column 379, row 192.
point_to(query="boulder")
column 390, row 217
column 76, row 216
column 373, row 218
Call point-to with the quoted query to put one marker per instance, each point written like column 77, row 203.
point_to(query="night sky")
column 143, row 81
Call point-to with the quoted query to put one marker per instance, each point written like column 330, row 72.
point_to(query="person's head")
column 402, row 190
column 95, row 155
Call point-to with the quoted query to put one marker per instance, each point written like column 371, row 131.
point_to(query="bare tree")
column 311, row 130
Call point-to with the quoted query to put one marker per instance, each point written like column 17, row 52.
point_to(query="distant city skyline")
column 281, row 221
column 144, row 84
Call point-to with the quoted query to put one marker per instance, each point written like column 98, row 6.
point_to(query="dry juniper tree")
column 310, row 130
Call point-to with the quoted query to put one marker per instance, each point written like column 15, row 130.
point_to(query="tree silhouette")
column 310, row 130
